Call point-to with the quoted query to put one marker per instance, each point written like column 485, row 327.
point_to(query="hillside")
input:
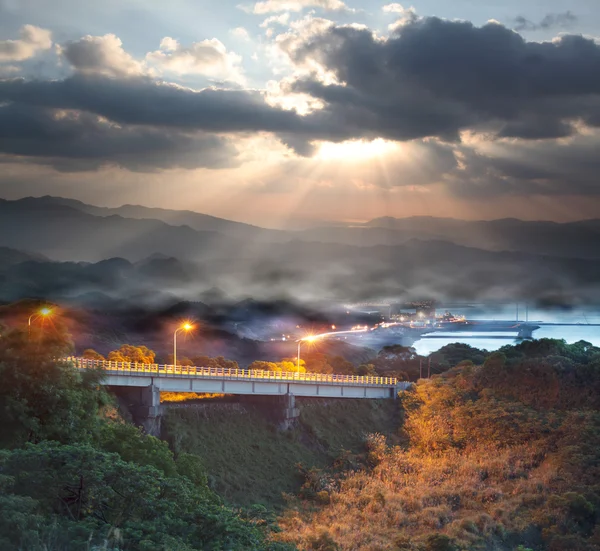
column 499, row 456
column 262, row 464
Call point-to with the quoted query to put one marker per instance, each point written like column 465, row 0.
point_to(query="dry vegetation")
column 493, row 463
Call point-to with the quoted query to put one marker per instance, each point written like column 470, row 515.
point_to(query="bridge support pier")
column 526, row 331
column 290, row 412
column 144, row 405
column 280, row 409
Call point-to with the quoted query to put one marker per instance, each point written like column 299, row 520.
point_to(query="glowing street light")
column 187, row 326
column 310, row 338
column 42, row 313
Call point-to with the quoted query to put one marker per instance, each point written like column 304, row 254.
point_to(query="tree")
column 457, row 352
column 131, row 353
column 396, row 359
column 317, row 362
column 78, row 497
column 259, row 365
column 181, row 360
column 219, row 362
column 91, row 354
column 342, row 366
column 43, row 398
column 366, row 370
column 133, row 445
column 290, row 365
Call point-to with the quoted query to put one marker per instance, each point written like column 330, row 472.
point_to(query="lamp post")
column 185, row 327
column 311, row 338
column 44, row 312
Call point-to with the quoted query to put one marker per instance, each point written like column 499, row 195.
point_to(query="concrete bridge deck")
column 140, row 386
column 169, row 378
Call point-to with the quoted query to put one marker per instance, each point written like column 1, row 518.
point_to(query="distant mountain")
column 575, row 239
column 10, row 256
column 195, row 220
column 62, row 232
column 172, row 231
column 149, row 261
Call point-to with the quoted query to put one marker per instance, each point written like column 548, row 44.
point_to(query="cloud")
column 532, row 106
column 550, row 21
column 100, row 55
column 520, row 167
column 74, row 141
column 406, row 15
column 282, row 19
column 105, row 55
column 270, row 6
column 8, row 70
column 33, row 40
column 144, row 101
column 241, row 33
column 393, row 8
column 137, row 122
column 208, row 57
column 436, row 78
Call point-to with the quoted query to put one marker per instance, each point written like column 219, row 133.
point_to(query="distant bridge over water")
column 523, row 329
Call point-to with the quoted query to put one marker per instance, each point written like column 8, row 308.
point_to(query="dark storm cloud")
column 142, row 101
column 81, row 141
column 550, row 21
column 535, row 168
column 430, row 79
column 436, row 77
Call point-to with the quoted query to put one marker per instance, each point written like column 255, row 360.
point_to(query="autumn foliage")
column 501, row 456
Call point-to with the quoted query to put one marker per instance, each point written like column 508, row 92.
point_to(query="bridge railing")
column 225, row 373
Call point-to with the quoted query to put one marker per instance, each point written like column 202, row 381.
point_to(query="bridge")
column 142, row 384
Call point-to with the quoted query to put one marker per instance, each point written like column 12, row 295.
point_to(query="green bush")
column 439, row 542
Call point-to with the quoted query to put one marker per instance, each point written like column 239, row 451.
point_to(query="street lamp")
column 310, row 338
column 187, row 326
column 44, row 313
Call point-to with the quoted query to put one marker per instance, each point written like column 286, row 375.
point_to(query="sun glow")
column 356, row 150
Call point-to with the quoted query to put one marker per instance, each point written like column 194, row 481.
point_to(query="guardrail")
column 223, row 373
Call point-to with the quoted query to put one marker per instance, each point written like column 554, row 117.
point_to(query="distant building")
column 426, row 311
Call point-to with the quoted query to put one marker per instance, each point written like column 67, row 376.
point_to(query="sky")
column 291, row 113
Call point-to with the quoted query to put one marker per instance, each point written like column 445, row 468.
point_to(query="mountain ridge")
column 63, row 229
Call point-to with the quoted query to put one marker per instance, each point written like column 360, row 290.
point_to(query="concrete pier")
column 143, row 403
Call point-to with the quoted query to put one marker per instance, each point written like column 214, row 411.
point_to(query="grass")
column 343, row 424
column 251, row 462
